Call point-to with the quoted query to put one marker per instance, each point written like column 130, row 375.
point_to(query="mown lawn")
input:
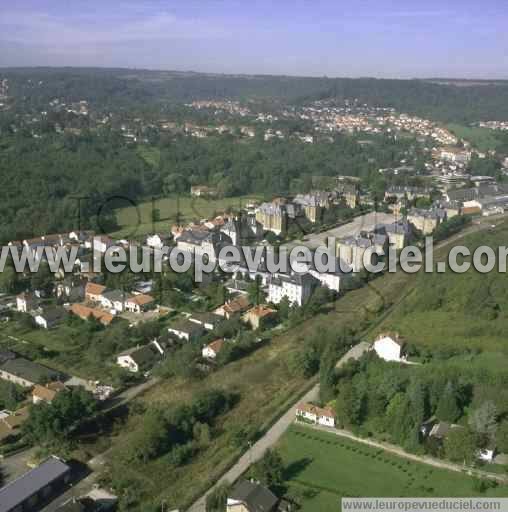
column 322, row 468
column 136, row 220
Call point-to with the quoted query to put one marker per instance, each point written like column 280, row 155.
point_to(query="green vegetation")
column 483, row 139
column 149, row 91
column 138, row 220
column 264, row 381
column 321, row 468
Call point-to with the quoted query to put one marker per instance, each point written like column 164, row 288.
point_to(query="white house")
column 211, row 351
column 390, row 347
column 138, row 358
column 317, row 415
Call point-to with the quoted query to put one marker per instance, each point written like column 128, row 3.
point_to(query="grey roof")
column 19, row 490
column 142, row 356
column 255, row 496
column 115, row 295
column 28, row 370
column 53, row 314
column 297, row 279
column 187, row 326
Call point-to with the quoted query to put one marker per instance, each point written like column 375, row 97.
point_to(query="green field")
column 136, row 220
column 322, row 468
column 481, row 138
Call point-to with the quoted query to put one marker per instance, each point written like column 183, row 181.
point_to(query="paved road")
column 397, row 450
column 274, row 434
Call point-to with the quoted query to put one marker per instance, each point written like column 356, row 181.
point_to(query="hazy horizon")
column 377, row 39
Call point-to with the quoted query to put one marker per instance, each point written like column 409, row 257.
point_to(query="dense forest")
column 60, row 183
column 462, row 101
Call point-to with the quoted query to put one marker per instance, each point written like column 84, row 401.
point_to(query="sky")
column 379, row 38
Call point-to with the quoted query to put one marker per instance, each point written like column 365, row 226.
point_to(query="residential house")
column 247, row 496
column 259, row 316
column 138, row 358
column 46, row 393
column 113, row 300
column 11, row 422
column 94, row 291
column 211, row 351
column 208, row 321
column 317, row 415
column 310, row 205
column 390, row 347
column 297, row 288
column 50, row 317
column 33, row 489
column 233, row 307
column 139, row 303
column 186, row 330
column 26, row 373
column 85, row 313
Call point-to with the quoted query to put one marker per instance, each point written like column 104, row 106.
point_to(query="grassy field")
column 481, row 138
column 136, row 220
column 322, row 468
column 265, row 385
